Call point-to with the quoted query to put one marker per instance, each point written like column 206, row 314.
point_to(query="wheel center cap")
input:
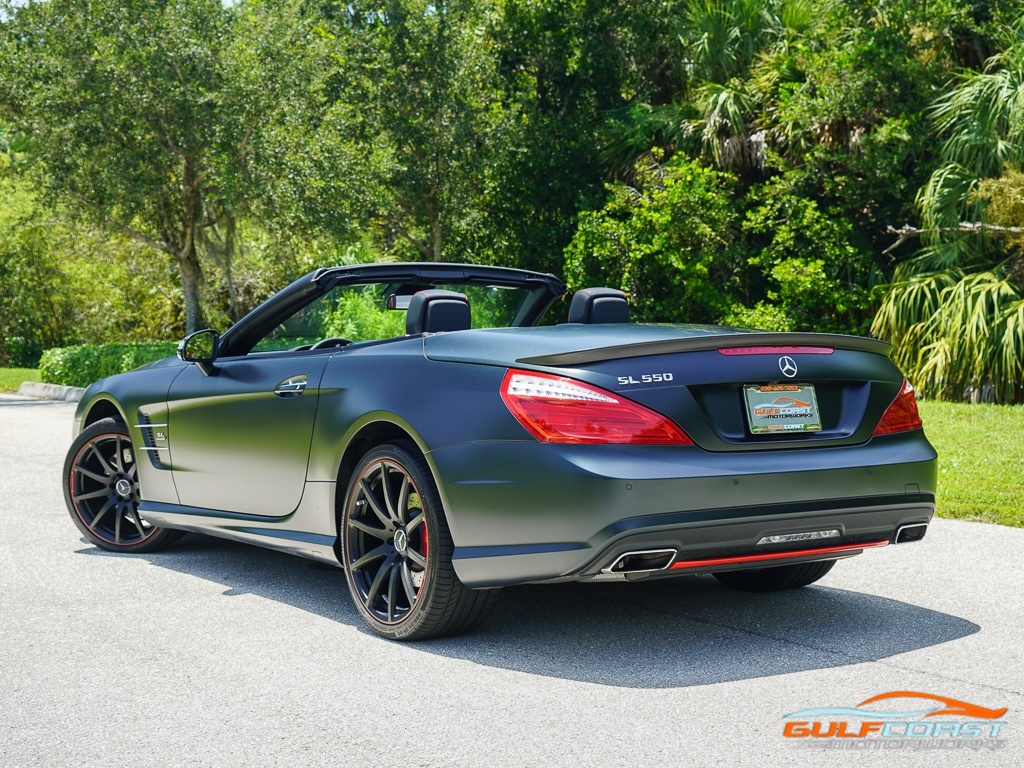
column 401, row 542
column 123, row 488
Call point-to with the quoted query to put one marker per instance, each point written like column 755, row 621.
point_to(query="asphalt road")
column 219, row 654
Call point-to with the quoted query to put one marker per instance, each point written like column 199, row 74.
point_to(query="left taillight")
column 556, row 409
column 901, row 415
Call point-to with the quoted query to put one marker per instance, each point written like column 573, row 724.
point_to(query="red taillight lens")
column 901, row 415
column 555, row 409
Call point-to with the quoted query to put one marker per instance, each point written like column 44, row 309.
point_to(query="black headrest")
column 599, row 305
column 436, row 310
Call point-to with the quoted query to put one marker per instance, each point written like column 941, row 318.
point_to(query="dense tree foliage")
column 957, row 308
column 121, row 102
column 669, row 242
column 843, row 166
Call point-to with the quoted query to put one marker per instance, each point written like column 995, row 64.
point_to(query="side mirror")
column 200, row 348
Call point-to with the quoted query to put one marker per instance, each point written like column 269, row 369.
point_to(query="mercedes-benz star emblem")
column 788, row 366
column 123, row 488
column 401, row 542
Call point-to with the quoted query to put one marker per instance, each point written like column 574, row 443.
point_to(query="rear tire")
column 101, row 489
column 777, row 578
column 397, row 550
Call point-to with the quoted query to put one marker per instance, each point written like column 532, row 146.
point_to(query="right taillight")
column 901, row 415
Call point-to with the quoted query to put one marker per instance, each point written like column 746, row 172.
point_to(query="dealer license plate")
column 782, row 408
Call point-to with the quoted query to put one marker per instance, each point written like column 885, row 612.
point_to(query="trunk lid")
column 697, row 375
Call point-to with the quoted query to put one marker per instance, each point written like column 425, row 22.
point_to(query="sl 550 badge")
column 646, row 378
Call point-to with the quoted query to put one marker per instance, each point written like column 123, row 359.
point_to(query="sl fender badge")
column 788, row 366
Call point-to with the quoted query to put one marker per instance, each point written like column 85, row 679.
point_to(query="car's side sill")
column 272, row 532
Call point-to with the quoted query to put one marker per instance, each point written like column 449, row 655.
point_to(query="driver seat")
column 436, row 311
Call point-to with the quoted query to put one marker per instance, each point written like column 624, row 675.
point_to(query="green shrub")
column 763, row 316
column 360, row 316
column 666, row 243
column 810, row 271
column 20, row 352
column 80, row 366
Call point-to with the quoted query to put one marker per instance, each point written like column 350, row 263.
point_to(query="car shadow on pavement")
column 661, row 634
column 693, row 631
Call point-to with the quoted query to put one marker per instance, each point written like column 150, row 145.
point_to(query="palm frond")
column 906, row 307
column 958, row 335
column 948, row 198
column 722, row 37
column 726, row 129
column 630, row 134
column 798, row 16
column 942, row 255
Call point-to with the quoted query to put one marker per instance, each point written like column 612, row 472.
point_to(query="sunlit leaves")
column 669, row 244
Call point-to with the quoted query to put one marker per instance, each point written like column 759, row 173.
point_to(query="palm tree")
column 732, row 56
column 956, row 310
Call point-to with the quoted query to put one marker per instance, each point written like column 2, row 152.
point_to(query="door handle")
column 293, row 386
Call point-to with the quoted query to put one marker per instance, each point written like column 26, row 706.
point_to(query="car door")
column 239, row 438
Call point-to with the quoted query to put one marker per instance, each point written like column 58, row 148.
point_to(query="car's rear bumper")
column 526, row 511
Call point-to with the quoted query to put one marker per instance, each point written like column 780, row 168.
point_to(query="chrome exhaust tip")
column 642, row 561
column 908, row 533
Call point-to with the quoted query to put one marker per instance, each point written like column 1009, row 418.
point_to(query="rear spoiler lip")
column 706, row 343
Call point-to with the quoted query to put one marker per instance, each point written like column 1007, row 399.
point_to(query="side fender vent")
column 154, row 442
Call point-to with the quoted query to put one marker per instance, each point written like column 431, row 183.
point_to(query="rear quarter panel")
column 438, row 403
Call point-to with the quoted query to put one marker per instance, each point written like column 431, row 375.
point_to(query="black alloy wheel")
column 397, row 549
column 101, row 488
column 388, row 543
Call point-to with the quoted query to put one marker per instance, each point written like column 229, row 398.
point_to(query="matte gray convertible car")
column 414, row 424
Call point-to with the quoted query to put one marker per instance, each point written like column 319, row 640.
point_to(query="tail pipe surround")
column 908, row 533
column 643, row 561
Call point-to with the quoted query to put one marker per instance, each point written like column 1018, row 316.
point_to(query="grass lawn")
column 981, row 460
column 12, row 378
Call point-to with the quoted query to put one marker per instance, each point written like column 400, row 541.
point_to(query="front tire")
column 101, row 489
column 397, row 550
column 776, row 578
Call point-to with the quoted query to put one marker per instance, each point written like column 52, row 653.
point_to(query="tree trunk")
column 229, row 252
column 188, row 262
column 435, row 226
column 436, row 237
column 188, row 257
